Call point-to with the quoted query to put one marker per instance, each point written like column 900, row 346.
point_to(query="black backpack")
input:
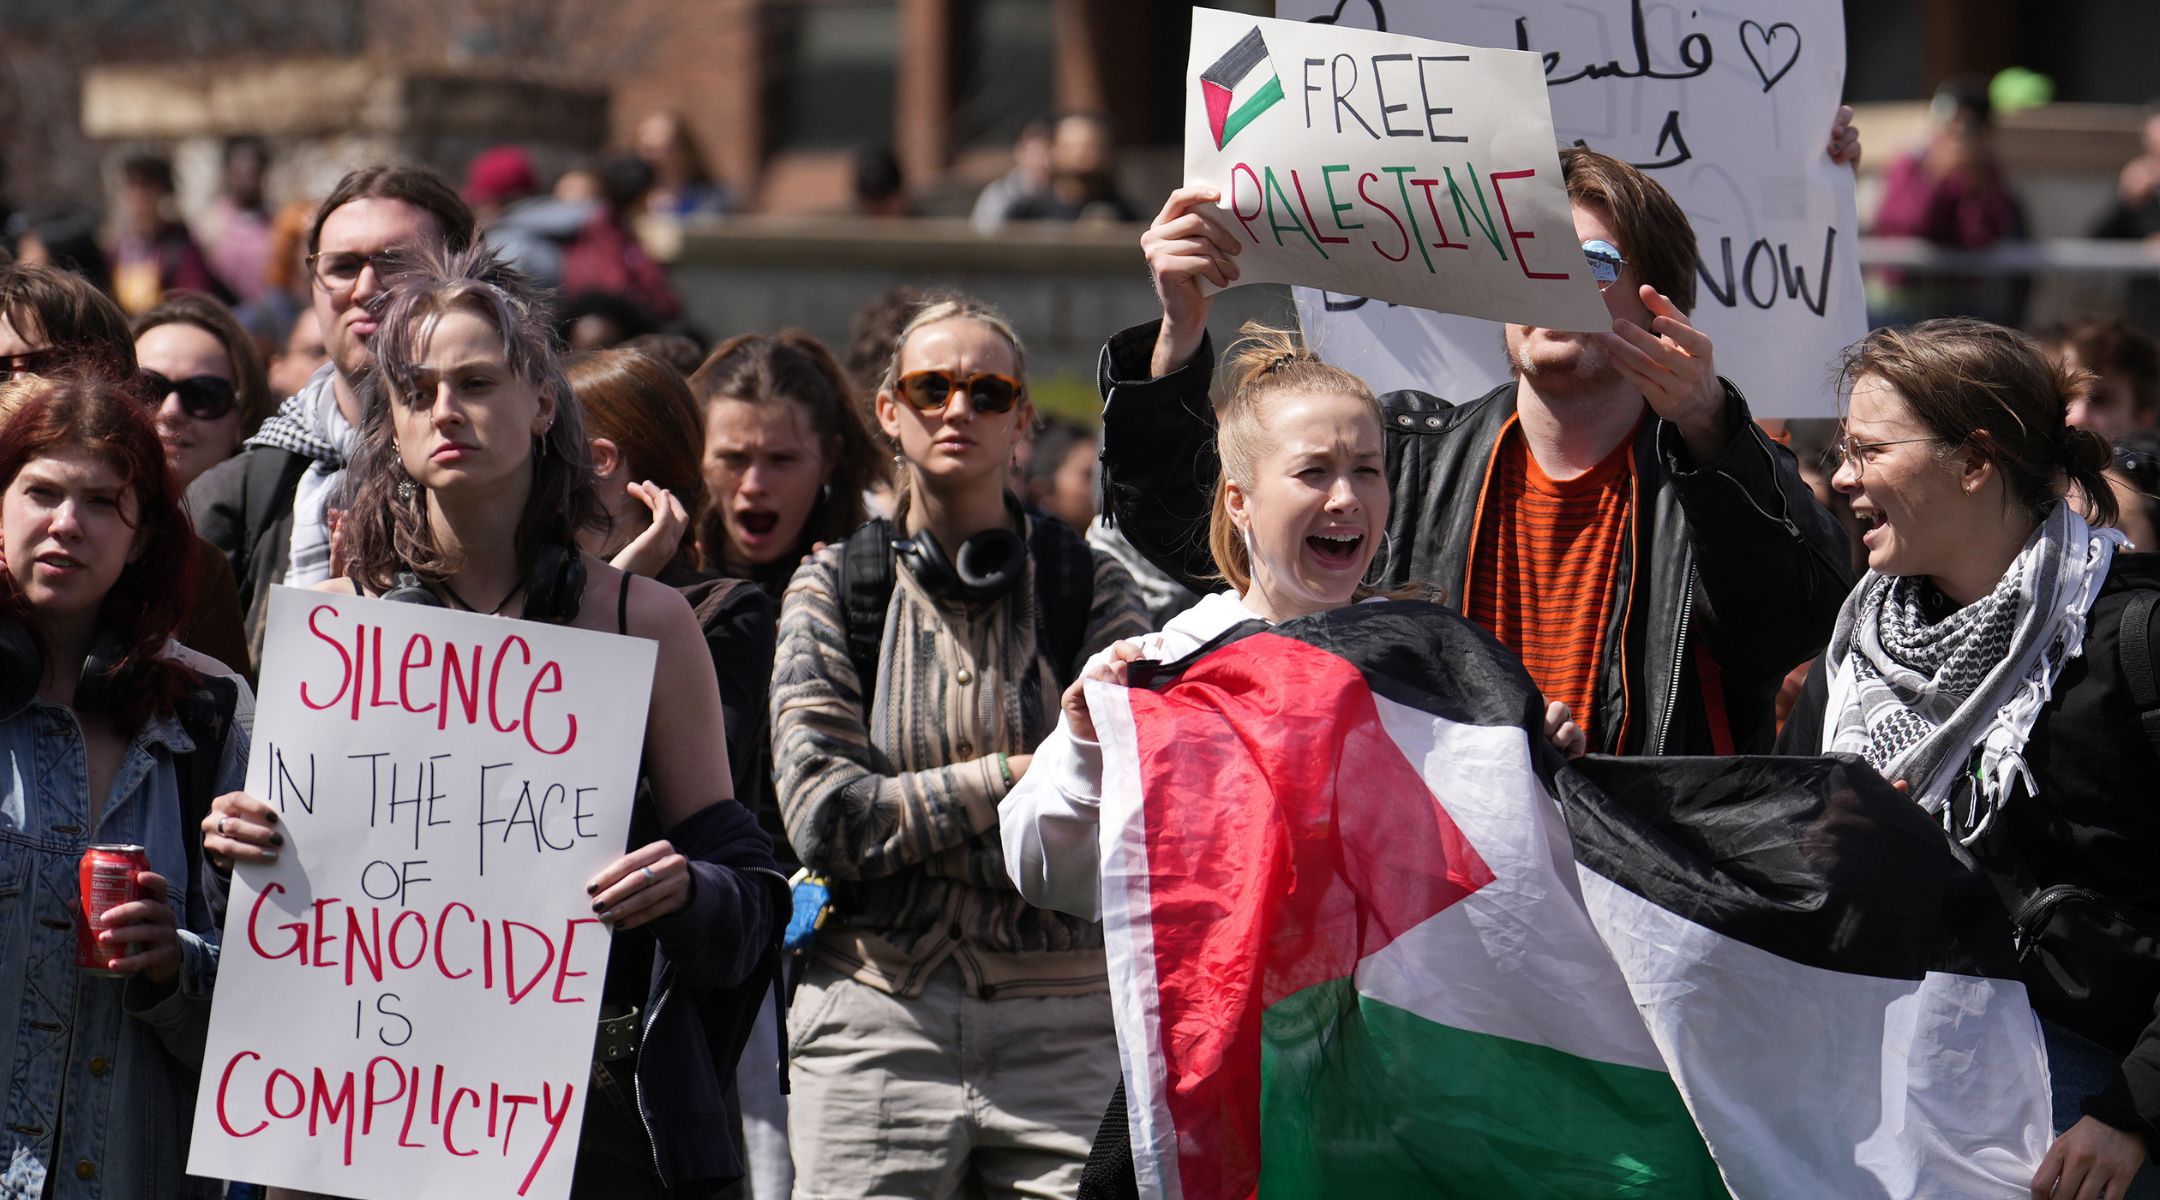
column 1064, row 593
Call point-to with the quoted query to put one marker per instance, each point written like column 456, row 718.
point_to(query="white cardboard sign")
column 1393, row 167
column 1729, row 107
column 406, row 1001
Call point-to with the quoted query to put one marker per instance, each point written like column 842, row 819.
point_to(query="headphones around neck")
column 989, row 565
column 553, row 587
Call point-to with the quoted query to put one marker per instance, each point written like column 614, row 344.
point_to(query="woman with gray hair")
column 475, row 482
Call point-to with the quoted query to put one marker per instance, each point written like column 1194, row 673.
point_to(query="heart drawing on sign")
column 1751, row 33
column 1379, row 15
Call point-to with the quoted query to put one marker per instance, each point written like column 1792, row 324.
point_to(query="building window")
column 835, row 85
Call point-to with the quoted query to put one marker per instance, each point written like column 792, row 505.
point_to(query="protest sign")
column 406, row 1001
column 1730, row 109
column 1393, row 167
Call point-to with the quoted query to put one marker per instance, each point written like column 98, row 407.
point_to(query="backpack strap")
column 1064, row 591
column 866, row 576
column 266, row 493
column 2134, row 642
column 207, row 715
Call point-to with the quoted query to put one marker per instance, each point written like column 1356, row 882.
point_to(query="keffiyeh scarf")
column 1918, row 699
column 309, row 424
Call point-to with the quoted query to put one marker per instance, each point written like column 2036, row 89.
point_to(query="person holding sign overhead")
column 476, row 478
column 1612, row 514
column 106, row 739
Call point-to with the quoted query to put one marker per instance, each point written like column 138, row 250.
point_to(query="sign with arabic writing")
column 1403, row 169
column 1730, row 109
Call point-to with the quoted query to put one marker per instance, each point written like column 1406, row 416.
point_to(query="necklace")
column 493, row 612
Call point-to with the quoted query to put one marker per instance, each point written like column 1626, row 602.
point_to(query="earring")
column 406, row 490
column 1386, row 559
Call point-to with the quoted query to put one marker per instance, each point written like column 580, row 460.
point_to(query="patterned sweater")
column 900, row 810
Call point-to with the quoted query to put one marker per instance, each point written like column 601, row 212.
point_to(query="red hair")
column 154, row 592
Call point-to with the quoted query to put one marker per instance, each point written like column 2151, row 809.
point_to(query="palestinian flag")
column 1238, row 87
column 1370, row 936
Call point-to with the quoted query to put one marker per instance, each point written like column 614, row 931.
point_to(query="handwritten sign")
column 1729, row 107
column 406, row 1001
column 1399, row 168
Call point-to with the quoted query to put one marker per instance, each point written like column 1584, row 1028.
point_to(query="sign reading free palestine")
column 1414, row 171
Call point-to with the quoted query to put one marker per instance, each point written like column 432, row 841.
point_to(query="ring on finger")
column 221, row 825
column 649, row 876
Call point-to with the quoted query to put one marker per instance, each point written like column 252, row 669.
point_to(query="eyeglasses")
column 29, row 362
column 339, row 271
column 931, row 391
column 203, row 397
column 1846, row 450
column 1605, row 262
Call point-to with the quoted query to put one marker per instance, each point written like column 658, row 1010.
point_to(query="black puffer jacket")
column 1732, row 576
column 2096, row 819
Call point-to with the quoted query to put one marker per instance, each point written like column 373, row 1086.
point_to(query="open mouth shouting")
column 1336, row 549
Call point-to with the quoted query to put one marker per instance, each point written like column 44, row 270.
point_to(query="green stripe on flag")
column 1252, row 108
column 1360, row 1098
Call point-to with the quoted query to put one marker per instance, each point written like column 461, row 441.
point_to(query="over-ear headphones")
column 97, row 685
column 553, row 588
column 988, row 566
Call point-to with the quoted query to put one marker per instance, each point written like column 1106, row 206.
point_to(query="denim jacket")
column 101, row 1072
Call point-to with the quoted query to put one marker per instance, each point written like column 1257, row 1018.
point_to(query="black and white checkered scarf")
column 1919, row 699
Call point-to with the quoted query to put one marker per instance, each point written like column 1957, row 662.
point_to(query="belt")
column 618, row 1035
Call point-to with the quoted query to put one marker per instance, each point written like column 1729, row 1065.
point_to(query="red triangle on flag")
column 1218, row 108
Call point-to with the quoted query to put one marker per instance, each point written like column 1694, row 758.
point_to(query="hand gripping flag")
column 1371, row 936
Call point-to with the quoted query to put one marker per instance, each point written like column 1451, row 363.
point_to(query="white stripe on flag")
column 1129, row 940
column 1813, row 1082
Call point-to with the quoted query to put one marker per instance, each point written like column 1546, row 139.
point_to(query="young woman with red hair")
column 105, row 738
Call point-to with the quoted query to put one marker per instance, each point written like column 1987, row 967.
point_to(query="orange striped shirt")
column 1545, row 567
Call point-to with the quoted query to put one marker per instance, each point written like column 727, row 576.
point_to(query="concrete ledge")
column 936, row 244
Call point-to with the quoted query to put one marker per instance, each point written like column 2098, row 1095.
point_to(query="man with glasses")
column 1612, row 514
column 268, row 508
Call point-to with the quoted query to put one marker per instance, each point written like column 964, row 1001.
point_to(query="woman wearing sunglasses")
column 206, row 377
column 1988, row 663
column 945, row 1031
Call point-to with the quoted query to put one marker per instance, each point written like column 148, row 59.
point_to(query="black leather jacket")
column 1732, row 576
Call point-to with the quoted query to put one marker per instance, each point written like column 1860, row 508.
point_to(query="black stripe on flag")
column 1237, row 61
column 1816, row 860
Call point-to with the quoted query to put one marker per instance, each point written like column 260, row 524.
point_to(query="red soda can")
column 107, row 877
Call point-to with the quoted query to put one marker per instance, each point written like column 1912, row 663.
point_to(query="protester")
column 1613, row 515
column 284, row 296
column 2125, row 364
column 528, row 227
column 302, row 354
column 877, row 184
column 1083, row 177
column 1060, row 477
column 236, row 230
column 154, row 252
column 474, row 481
column 268, row 507
column 1951, row 191
column 1300, row 512
column 2135, row 213
column 67, row 240
column 52, row 320
column 683, row 185
column 104, row 739
column 874, row 329
column 202, row 367
column 1981, row 666
column 678, row 350
column 787, row 459
column 606, row 256
column 947, row 1035
column 645, row 436
column 1028, row 179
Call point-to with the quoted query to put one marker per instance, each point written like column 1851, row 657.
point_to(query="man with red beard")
column 1612, row 514
column 268, row 507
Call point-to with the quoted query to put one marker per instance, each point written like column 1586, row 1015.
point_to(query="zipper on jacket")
column 637, row 1081
column 1679, row 652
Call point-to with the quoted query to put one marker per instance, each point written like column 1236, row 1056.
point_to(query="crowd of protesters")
column 896, row 570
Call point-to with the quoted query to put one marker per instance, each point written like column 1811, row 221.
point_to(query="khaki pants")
column 916, row 1098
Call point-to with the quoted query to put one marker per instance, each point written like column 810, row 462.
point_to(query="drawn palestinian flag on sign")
column 1371, row 936
column 1240, row 86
